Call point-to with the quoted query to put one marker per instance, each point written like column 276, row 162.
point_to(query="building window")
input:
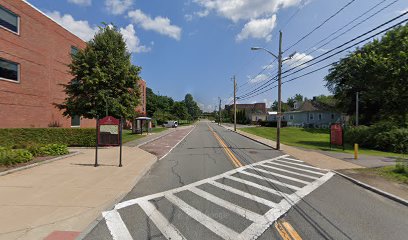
column 311, row 116
column 75, row 121
column 291, row 117
column 9, row 70
column 332, row 116
column 9, row 20
column 74, row 50
column 320, row 116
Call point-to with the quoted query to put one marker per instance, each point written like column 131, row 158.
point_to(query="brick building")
column 34, row 54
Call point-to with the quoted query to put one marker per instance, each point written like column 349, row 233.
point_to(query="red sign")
column 336, row 134
column 108, row 131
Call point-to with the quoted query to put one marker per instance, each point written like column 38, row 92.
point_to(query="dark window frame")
column 18, row 71
column 18, row 21
column 73, row 118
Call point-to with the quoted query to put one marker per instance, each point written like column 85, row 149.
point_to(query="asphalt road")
column 217, row 184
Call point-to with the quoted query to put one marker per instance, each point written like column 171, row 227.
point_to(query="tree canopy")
column 379, row 72
column 104, row 78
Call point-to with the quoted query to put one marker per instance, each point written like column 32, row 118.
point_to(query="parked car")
column 170, row 124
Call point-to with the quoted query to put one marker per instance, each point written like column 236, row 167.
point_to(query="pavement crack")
column 176, row 174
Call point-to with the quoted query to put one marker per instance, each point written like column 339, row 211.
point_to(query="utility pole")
column 357, row 109
column 278, row 125
column 219, row 112
column 235, row 105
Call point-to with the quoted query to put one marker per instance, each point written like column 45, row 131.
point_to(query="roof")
column 313, row 106
column 272, row 113
column 143, row 118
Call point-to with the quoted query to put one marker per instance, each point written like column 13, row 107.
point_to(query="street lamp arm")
column 266, row 50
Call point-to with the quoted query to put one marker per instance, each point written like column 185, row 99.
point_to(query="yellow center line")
column 285, row 229
column 227, row 151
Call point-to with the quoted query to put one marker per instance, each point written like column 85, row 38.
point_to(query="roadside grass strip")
column 259, row 222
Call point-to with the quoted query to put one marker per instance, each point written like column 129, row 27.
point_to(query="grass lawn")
column 310, row 138
column 129, row 136
column 389, row 172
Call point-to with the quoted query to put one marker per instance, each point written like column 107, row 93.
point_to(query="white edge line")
column 186, row 187
column 171, row 149
column 116, row 226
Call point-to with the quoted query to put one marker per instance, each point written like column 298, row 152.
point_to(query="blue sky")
column 196, row 46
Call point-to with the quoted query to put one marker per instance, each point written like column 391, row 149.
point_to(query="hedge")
column 26, row 137
column 381, row 137
column 13, row 156
column 273, row 123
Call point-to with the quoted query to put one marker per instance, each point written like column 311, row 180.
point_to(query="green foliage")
column 14, row 156
column 103, row 77
column 180, row 110
column 401, row 168
column 156, row 103
column 381, row 136
column 48, row 150
column 193, row 110
column 26, row 137
column 379, row 72
column 297, row 98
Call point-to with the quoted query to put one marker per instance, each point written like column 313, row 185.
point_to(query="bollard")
column 355, row 151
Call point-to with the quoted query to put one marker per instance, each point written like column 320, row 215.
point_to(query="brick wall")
column 42, row 48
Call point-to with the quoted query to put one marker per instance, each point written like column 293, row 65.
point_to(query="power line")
column 346, row 31
column 320, row 25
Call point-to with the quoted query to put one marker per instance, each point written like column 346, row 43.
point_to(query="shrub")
column 273, row 123
column 26, row 137
column 49, row 150
column 14, row 156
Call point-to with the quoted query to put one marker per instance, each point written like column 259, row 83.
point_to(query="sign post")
column 109, row 133
column 336, row 135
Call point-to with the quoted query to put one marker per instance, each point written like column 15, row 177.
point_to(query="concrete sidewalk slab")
column 313, row 158
column 67, row 194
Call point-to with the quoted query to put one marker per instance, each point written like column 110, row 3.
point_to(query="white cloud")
column 118, row 6
column 158, row 24
column 79, row 27
column 132, row 41
column 258, row 28
column 188, row 17
column 203, row 13
column 298, row 59
column 259, row 78
column 81, row 2
column 402, row 11
column 236, row 10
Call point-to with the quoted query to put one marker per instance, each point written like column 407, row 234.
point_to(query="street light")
column 280, row 60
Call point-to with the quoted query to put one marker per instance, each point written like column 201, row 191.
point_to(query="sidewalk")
column 68, row 194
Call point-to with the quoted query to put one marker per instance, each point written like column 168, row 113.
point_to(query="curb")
column 95, row 222
column 38, row 164
column 374, row 189
column 154, row 139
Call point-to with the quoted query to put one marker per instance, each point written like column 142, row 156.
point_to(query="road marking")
column 290, row 230
column 166, row 228
column 259, row 223
column 116, row 226
column 171, row 149
column 301, row 169
column 210, row 223
column 291, row 172
column 229, row 153
column 282, row 231
column 302, row 165
column 280, row 175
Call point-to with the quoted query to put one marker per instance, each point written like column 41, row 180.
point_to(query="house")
column 34, row 54
column 253, row 112
column 311, row 113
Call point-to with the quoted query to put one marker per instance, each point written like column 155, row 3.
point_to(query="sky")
column 197, row 46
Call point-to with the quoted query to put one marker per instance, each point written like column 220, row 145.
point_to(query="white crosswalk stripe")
column 259, row 222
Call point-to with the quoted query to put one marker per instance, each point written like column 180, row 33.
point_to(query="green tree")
column 379, row 72
column 297, row 98
column 192, row 107
column 103, row 78
column 180, row 111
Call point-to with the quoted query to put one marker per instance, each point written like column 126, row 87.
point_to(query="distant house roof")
column 313, row 106
column 272, row 113
column 253, row 108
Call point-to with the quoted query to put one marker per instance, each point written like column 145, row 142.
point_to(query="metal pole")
column 219, row 112
column 235, row 105
column 278, row 127
column 97, row 141
column 120, row 141
column 357, row 109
